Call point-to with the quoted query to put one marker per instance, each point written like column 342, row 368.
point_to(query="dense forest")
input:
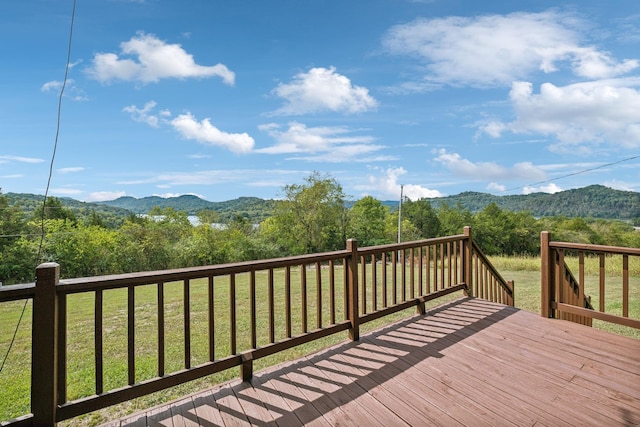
column 315, row 216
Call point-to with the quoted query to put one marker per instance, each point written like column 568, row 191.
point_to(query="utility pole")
column 400, row 216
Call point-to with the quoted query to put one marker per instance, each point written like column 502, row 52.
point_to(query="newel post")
column 467, row 257
column 352, row 286
column 44, row 345
column 546, row 275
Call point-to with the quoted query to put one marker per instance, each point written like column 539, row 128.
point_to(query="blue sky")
column 238, row 98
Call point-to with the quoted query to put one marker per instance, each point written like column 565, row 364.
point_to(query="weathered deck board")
column 469, row 362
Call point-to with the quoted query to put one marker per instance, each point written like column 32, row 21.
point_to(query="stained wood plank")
column 230, row 409
column 183, row 413
column 469, row 362
column 207, row 409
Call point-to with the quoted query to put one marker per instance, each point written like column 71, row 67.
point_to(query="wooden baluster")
column 374, row 283
column 412, row 275
column 449, row 266
column 211, row 317
column 602, row 290
column 160, row 308
column 394, row 278
column 384, row 280
column 332, row 291
column 186, row 289
column 318, row 296
column 303, row 297
column 272, row 319
column 363, row 285
column 252, row 309
column 625, row 286
column 232, row 313
column 428, row 271
column 131, row 337
column 98, row 341
column 287, row 302
column 420, row 272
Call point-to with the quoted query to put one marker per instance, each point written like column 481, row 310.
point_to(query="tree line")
column 313, row 216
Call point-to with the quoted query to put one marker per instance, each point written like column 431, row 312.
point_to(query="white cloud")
column 143, row 115
column 488, row 170
column 386, row 184
column 495, row 187
column 206, row 133
column 5, row 159
column 153, row 59
column 549, row 188
column 578, row 116
column 190, row 128
column 495, row 50
column 171, row 195
column 325, row 144
column 322, row 89
column 71, row 169
column 101, row 196
column 71, row 90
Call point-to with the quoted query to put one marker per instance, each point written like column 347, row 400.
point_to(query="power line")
column 571, row 174
column 53, row 156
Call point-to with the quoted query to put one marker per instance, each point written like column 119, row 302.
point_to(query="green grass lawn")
column 15, row 377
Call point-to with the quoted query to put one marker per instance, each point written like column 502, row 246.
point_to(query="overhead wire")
column 46, row 193
column 570, row 174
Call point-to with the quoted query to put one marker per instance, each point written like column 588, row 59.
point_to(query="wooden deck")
column 469, row 362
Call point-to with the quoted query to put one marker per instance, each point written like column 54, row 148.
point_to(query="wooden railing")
column 328, row 293
column 563, row 296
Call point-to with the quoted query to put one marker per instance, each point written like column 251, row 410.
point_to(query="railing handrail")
column 17, row 292
column 448, row 262
column 85, row 284
column 587, row 247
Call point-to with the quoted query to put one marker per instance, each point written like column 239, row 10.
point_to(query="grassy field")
column 15, row 377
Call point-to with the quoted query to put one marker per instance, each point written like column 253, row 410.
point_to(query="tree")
column 422, row 216
column 311, row 218
column 453, row 220
column 12, row 222
column 208, row 216
column 367, row 221
column 17, row 256
column 54, row 209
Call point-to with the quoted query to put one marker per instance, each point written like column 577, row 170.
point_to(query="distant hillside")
column 595, row 201
column 111, row 215
column 252, row 208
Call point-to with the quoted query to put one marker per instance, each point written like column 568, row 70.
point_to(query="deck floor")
column 469, row 362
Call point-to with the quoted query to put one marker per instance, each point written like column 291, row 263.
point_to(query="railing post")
column 467, row 256
column 546, row 275
column 44, row 345
column 352, row 277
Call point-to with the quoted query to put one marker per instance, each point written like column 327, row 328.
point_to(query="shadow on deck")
column 468, row 362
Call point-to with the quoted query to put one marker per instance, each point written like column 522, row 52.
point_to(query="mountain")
column 595, row 201
column 111, row 215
